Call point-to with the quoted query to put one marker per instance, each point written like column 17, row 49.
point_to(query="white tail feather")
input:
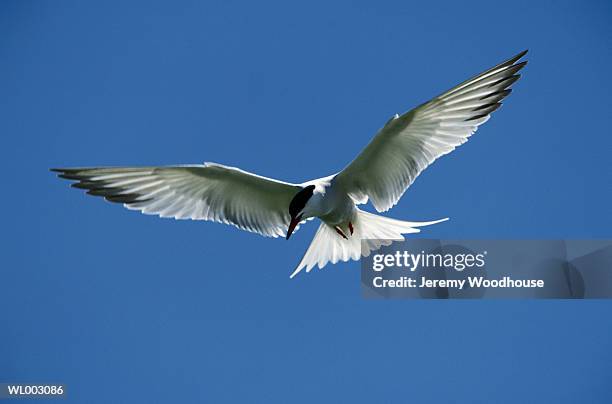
column 328, row 246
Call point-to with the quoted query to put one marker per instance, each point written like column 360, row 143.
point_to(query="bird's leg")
column 351, row 228
column 340, row 232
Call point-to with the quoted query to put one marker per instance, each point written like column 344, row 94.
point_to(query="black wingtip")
column 67, row 173
column 125, row 198
column 520, row 65
column 514, row 59
column 519, row 55
column 68, row 176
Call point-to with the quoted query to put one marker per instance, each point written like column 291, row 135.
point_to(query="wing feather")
column 409, row 143
column 199, row 192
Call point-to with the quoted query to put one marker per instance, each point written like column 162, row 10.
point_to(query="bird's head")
column 296, row 207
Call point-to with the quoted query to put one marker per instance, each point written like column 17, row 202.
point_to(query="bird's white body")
column 381, row 173
column 329, row 203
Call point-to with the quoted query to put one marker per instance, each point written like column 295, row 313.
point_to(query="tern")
column 381, row 173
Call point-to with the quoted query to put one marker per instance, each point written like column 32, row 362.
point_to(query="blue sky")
column 123, row 307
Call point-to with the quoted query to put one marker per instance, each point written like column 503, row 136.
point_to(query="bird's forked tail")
column 376, row 231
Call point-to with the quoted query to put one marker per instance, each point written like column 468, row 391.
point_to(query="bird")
column 380, row 174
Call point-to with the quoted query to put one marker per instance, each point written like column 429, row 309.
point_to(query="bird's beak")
column 294, row 222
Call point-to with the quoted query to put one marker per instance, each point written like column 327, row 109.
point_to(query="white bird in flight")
column 381, row 173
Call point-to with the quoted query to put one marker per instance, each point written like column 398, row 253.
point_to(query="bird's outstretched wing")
column 407, row 144
column 198, row 192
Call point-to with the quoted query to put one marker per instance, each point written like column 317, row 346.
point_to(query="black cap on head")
column 299, row 200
